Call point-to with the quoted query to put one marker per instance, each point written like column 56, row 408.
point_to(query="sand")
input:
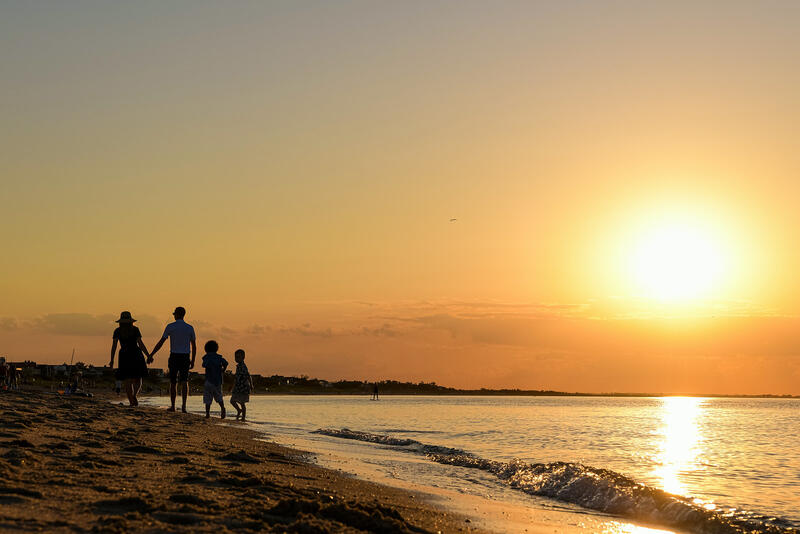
column 72, row 464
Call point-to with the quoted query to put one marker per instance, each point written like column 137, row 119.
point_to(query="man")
column 181, row 338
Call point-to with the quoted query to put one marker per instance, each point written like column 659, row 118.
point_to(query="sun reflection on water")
column 615, row 527
column 681, row 441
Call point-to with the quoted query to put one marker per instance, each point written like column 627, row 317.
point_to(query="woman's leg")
column 137, row 386
column 244, row 410
column 129, row 392
column 132, row 387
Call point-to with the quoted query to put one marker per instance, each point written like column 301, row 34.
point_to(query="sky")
column 623, row 178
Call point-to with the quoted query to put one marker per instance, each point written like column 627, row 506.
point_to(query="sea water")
column 691, row 464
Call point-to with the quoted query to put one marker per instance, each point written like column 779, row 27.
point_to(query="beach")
column 75, row 464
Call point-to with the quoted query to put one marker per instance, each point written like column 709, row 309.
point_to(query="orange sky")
column 288, row 172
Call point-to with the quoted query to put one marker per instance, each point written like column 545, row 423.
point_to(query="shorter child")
column 215, row 368
column 242, row 386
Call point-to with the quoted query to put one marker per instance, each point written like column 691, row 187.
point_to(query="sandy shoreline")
column 71, row 464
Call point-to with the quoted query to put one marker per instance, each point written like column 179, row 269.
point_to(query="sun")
column 677, row 260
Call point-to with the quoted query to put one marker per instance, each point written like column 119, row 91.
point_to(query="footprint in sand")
column 240, row 457
column 24, row 443
column 20, row 457
column 141, row 449
column 11, row 495
column 121, row 506
column 188, row 498
column 178, row 518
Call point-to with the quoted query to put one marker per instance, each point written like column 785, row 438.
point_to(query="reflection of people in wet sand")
column 181, row 337
column 374, row 391
column 131, row 367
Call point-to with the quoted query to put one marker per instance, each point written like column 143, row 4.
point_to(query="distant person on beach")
column 14, row 377
column 4, row 370
column 181, row 339
column 132, row 366
column 242, row 386
column 215, row 366
column 374, row 391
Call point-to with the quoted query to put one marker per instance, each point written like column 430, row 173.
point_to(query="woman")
column 132, row 367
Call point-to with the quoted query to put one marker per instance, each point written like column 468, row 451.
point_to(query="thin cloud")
column 85, row 324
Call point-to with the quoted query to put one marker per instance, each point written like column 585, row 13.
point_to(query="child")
column 241, row 387
column 215, row 367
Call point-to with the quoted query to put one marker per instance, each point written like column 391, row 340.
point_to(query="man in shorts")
column 181, row 339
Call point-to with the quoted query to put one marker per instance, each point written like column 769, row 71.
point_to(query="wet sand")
column 72, row 464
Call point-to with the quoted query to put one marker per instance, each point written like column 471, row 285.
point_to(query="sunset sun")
column 677, row 261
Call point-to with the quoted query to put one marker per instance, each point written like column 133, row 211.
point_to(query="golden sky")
column 624, row 177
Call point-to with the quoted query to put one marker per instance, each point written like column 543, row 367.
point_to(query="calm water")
column 734, row 459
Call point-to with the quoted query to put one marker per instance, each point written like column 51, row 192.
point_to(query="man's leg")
column 173, row 392
column 208, row 410
column 184, row 395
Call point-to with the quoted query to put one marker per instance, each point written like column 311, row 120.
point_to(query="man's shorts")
column 212, row 392
column 178, row 365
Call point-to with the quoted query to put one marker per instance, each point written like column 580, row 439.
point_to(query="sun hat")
column 125, row 317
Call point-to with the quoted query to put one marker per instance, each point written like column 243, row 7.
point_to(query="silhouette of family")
column 132, row 365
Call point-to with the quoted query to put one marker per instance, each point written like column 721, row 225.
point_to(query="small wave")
column 597, row 489
column 409, row 431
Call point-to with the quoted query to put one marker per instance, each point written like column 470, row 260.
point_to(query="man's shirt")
column 180, row 335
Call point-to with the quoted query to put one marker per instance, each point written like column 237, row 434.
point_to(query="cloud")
column 85, row 324
column 257, row 330
column 8, row 324
column 385, row 330
column 224, row 331
column 307, row 331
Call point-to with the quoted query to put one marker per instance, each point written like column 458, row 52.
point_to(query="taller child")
column 181, row 339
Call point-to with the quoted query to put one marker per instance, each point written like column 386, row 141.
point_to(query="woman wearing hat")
column 132, row 367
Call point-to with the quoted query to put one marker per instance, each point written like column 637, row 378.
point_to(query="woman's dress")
column 131, row 360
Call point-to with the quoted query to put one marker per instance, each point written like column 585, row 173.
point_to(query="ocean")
column 683, row 463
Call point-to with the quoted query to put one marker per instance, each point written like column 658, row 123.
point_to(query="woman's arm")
column 144, row 349
column 113, row 352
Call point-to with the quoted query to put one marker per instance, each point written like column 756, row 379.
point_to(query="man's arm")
column 158, row 346
column 194, row 353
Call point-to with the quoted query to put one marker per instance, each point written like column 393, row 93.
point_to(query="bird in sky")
column 453, row 220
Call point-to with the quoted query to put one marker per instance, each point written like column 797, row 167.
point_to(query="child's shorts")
column 212, row 392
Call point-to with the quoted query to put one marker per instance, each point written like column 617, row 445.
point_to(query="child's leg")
column 220, row 401
column 208, row 410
